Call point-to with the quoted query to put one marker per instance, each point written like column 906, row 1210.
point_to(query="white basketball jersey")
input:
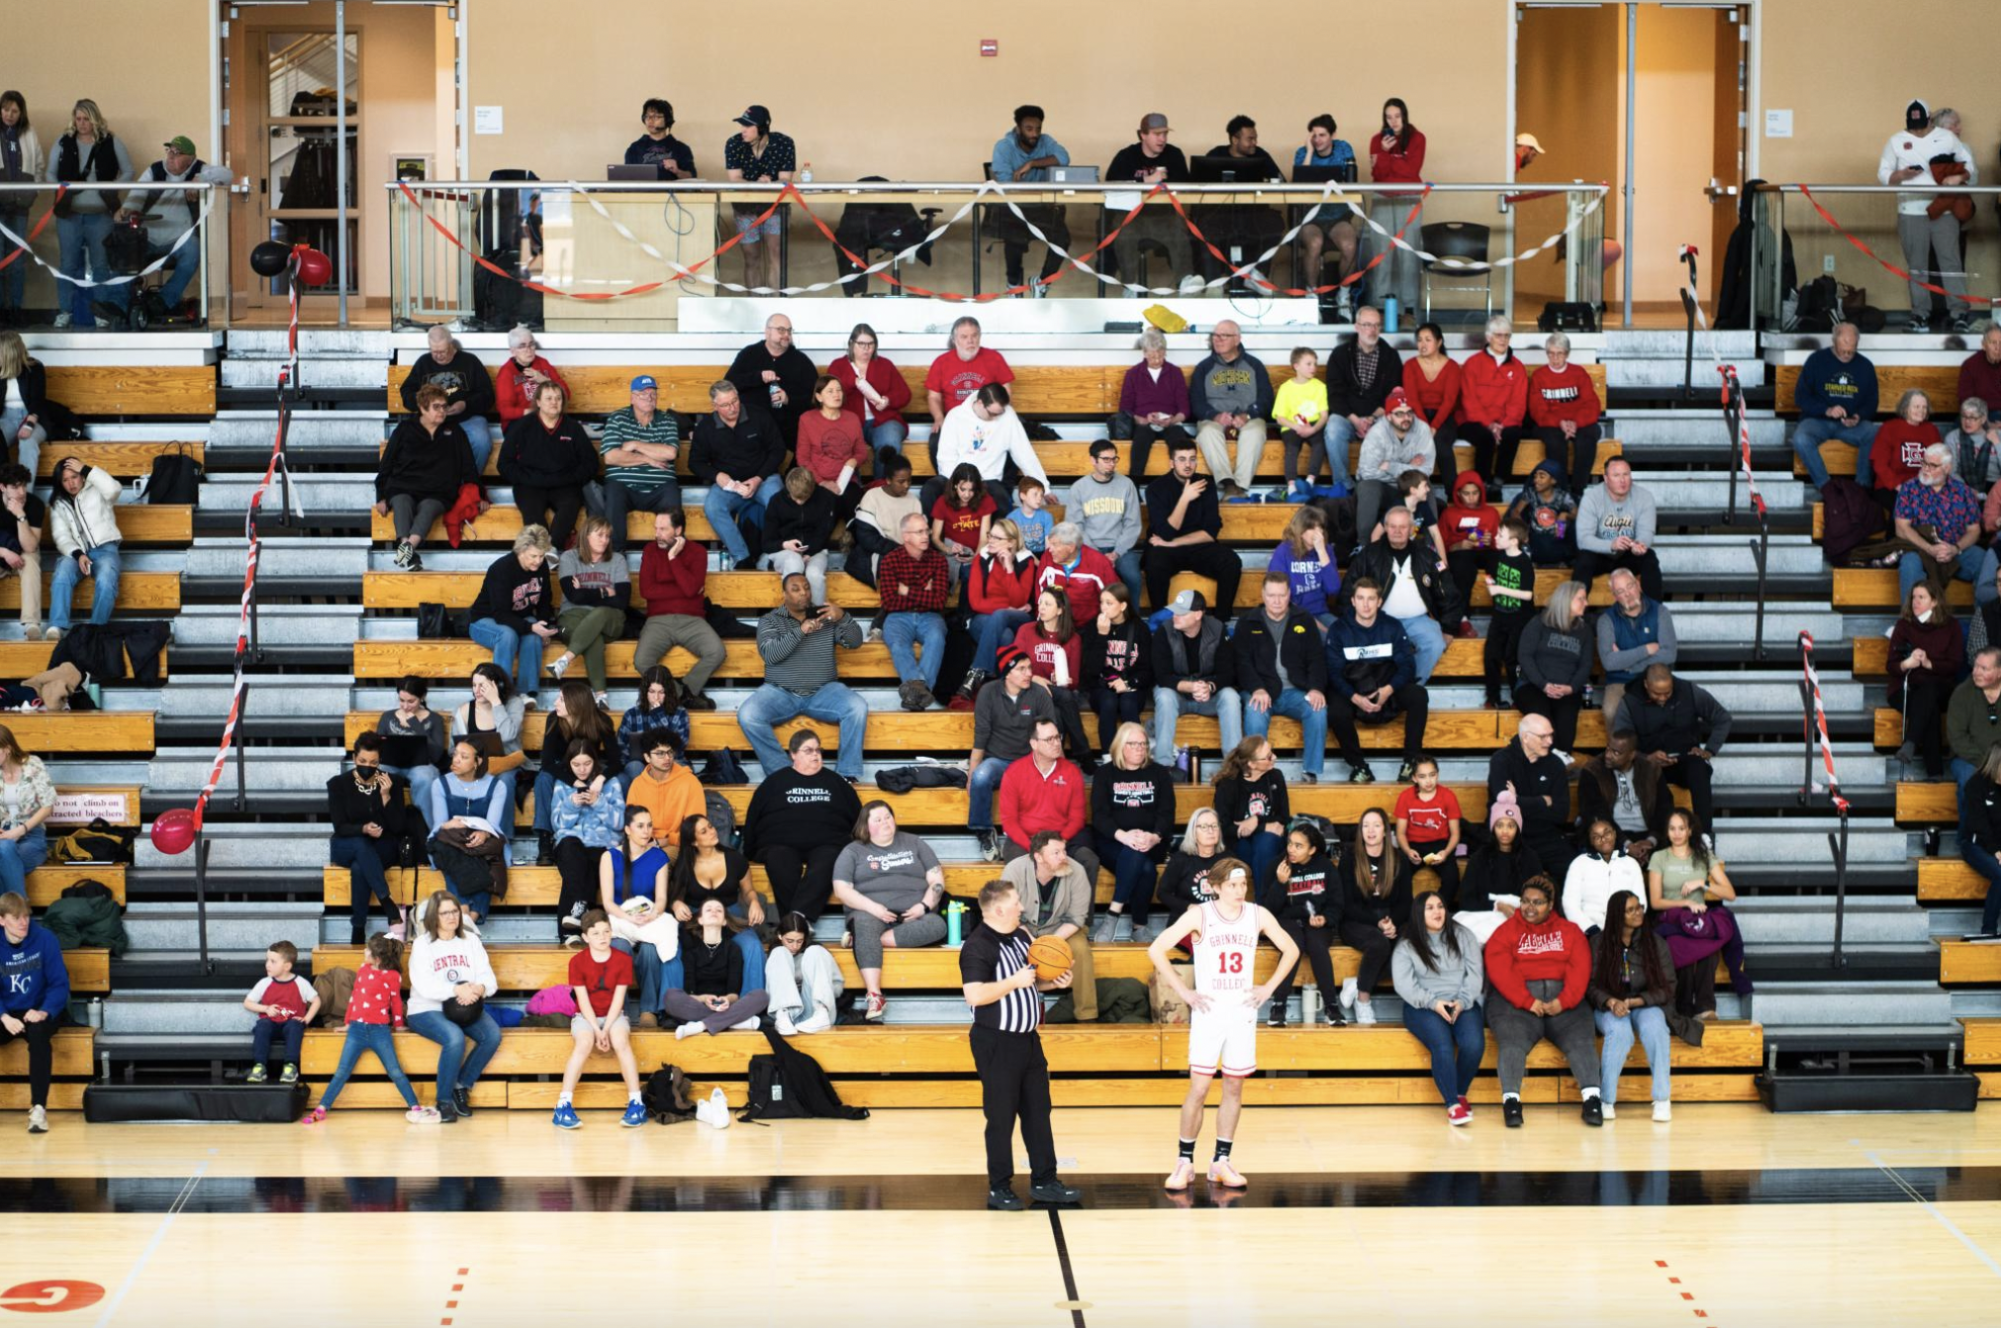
column 1225, row 956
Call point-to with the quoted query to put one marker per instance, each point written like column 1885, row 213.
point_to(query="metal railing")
column 211, row 239
column 1837, row 839
column 565, row 234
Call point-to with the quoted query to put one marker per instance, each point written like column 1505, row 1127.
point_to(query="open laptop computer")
column 405, row 751
column 643, row 171
column 1323, row 174
column 1073, row 175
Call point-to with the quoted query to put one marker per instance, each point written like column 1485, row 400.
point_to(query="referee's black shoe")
column 1055, row 1192
column 1004, row 1201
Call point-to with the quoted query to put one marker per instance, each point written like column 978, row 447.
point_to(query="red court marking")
column 50, row 1297
column 446, row 1321
column 1685, row 1295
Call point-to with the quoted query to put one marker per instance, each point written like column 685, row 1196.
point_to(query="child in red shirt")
column 1468, row 526
column 374, row 1016
column 1428, row 826
column 960, row 519
column 284, row 1004
column 601, row 977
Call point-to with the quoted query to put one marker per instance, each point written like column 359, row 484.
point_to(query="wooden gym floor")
column 1728, row 1217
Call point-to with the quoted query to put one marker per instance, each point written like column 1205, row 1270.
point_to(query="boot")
column 968, row 690
column 545, row 848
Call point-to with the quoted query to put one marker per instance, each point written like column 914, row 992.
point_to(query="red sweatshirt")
column 1557, row 950
column 1436, row 399
column 377, row 997
column 883, row 377
column 1083, row 582
column 673, row 585
column 513, row 391
column 996, row 585
column 1493, row 392
column 1404, row 166
column 1043, row 650
column 1031, row 802
column 1899, row 451
column 1556, row 395
column 1478, row 523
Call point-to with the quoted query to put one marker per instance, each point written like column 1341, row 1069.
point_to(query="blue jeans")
column 1133, row 875
column 368, row 1037
column 181, row 270
column 1911, row 570
column 20, row 856
column 1168, row 706
column 267, row 1031
column 517, row 654
column 421, row 778
column 82, row 237
column 27, row 450
column 723, row 509
column 887, row 433
column 992, row 631
column 1429, row 638
column 1650, row 1025
column 1132, row 575
column 479, row 433
column 1962, row 771
column 545, row 794
column 912, row 627
column 1455, row 1048
column 1313, row 723
column 1261, row 853
column 104, row 580
column 1988, row 866
column 1815, row 430
column 770, row 705
column 671, row 973
column 1340, row 435
column 981, row 786
column 13, row 277
column 455, row 1068
column 367, row 862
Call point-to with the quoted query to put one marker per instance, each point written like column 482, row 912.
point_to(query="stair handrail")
column 1813, row 722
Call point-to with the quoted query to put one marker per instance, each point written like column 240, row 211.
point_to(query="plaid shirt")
column 929, row 580
column 1948, row 510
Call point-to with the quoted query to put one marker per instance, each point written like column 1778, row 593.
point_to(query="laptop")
column 1073, row 175
column 487, row 742
column 1323, row 174
column 405, row 751
column 644, row 171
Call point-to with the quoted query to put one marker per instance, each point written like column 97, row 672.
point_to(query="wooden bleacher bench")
column 1926, row 804
column 74, row 1061
column 1940, row 382
column 126, row 461
column 46, row 884
column 756, row 592
column 138, row 592
column 1949, row 881
column 144, row 523
column 1961, row 963
column 1876, row 588
column 123, row 732
column 24, row 659
column 78, row 805
column 89, row 971
column 101, row 390
column 1037, row 389
column 1872, row 656
column 1983, row 1053
column 1838, row 457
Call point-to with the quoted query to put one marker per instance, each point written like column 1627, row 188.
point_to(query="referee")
column 1007, row 1051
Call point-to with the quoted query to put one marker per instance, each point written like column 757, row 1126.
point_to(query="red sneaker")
column 1459, row 1115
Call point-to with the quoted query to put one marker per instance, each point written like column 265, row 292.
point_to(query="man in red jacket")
column 1076, row 569
column 672, row 573
column 1493, row 403
column 1042, row 791
column 1538, row 967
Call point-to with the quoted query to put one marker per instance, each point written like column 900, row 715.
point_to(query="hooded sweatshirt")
column 33, row 972
column 1555, row 952
column 1552, row 521
column 1477, row 524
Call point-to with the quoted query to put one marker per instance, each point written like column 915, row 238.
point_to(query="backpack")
column 723, row 768
column 333, row 988
column 1819, row 305
column 789, row 1083
column 174, row 479
column 1340, row 513
column 100, row 841
column 721, row 815
column 1852, row 518
column 666, row 1096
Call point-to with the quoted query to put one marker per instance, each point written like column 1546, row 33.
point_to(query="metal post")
column 201, row 900
column 1761, row 549
column 1632, row 112
column 242, row 761
column 1838, row 844
column 340, row 154
column 1689, row 310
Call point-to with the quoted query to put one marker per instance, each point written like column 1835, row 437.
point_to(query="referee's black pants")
column 1014, row 1083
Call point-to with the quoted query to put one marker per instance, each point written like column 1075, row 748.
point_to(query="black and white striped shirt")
column 989, row 956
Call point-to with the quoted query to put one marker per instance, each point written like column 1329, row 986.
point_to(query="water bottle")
column 954, row 911
column 94, row 1013
column 806, row 173
column 775, row 390
column 1389, row 313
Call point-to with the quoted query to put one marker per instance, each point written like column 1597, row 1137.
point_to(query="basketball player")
column 1223, row 1009
column 1001, row 986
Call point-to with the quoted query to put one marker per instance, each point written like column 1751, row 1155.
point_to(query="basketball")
column 1051, row 957
column 174, row 831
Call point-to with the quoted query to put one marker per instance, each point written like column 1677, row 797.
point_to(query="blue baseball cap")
column 644, row 383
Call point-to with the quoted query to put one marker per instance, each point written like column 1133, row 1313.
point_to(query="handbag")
column 434, row 622
column 175, row 479
column 465, row 1016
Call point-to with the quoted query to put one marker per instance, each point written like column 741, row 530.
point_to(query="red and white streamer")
column 21, row 246
column 1833, row 786
column 1901, row 273
column 1733, row 395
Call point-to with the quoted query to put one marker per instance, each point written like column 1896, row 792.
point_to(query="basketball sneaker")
column 1182, row 1177
column 1223, row 1172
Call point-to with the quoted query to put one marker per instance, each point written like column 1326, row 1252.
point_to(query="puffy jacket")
column 84, row 520
column 87, row 920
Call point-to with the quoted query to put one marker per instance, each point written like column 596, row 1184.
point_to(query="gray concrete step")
column 319, row 371
column 1639, row 430
column 1663, row 343
column 277, row 624
column 244, row 927
column 1668, row 371
column 349, row 495
column 271, row 769
column 257, row 430
column 1873, row 921
column 318, row 343
column 235, row 846
column 1858, row 1004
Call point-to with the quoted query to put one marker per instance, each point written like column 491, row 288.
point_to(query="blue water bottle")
column 953, row 912
column 1389, row 313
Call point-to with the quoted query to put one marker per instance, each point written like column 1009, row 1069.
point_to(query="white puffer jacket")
column 86, row 520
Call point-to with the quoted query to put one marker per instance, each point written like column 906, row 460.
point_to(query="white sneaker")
column 783, row 1023
column 1350, row 988
column 62, row 320
column 818, row 1022
column 1611, row 1112
column 1663, row 1112
column 562, row 664
column 1365, row 1012
column 421, row 1115
column 38, row 1120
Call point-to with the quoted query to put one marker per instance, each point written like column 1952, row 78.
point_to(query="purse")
column 465, row 1016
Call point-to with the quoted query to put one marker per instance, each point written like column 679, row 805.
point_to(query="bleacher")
column 337, row 627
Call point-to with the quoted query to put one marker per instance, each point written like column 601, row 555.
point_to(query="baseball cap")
column 181, row 143
column 1527, row 141
column 1188, row 601
column 755, row 115
column 645, row 383
column 1397, row 398
column 1153, row 120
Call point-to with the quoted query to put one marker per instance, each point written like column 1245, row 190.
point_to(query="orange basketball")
column 1051, row 957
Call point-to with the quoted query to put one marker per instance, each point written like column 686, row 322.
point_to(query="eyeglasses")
column 862, row 342
column 1053, row 737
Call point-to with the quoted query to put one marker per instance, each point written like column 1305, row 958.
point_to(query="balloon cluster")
column 308, row 266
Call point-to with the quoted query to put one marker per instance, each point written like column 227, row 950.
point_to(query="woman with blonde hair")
column 597, row 585
column 1555, row 661
column 87, row 152
column 514, row 613
column 27, row 796
column 1132, row 823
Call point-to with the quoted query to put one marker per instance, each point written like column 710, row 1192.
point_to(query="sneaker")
column 289, row 1075
column 1184, row 763
column 63, row 319
column 906, row 695
column 1275, row 1018
column 786, row 1028
column 874, row 635
column 258, row 1074
column 416, row 561
column 313, row 1117
column 635, row 1115
column 603, row 699
column 819, row 1021
column 1365, row 1013
column 682, row 1032
column 1466, row 631
column 1908, row 753
column 1104, row 929
column 1361, row 774
column 1406, row 772
column 566, row 1118
column 1663, row 1112
column 448, row 1111
column 1142, row 934
column 38, row 1120
column 1562, row 755
column 1458, row 1115
column 1055, row 1192
column 1350, row 988
column 1122, row 928
column 1982, row 938
column 697, row 701
column 1221, row 1172
column 462, row 1100
column 52, row 634
column 1511, row 1112
column 1466, row 1106
column 649, row 1020
column 1181, row 1177
column 1594, row 1112
column 1308, row 777
column 989, row 845
column 1004, row 1201
column 422, row 1116
column 403, row 555
column 561, row 665
column 925, row 700
column 1608, row 1111
column 877, row 1004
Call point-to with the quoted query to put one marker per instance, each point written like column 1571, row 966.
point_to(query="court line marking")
column 159, row 1235
column 1935, row 1211
column 1075, row 1305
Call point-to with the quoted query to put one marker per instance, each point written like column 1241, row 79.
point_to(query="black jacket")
column 1490, row 872
column 1123, row 653
column 1141, row 799
column 349, row 808
column 795, row 374
column 34, row 390
column 1369, row 909
column 1983, row 812
column 1598, row 790
column 425, row 465
column 1691, row 718
column 1434, row 585
column 513, row 596
column 1206, row 658
column 1541, row 787
column 1203, row 514
column 752, row 446
column 1298, row 644
column 100, row 649
column 543, row 458
column 463, row 379
column 1264, row 797
column 1345, row 393
column 811, row 523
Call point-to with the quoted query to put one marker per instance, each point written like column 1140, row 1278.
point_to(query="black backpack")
column 789, row 1083
column 666, row 1096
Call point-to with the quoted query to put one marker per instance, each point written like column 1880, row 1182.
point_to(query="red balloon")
column 174, row 831
column 313, row 267
column 1614, row 251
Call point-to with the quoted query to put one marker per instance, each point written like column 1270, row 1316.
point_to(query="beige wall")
column 1569, row 96
column 1674, row 147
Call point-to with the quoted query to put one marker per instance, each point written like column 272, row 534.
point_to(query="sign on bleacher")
column 82, row 806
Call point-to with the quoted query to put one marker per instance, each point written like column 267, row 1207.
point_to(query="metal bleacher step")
column 1844, row 999
column 1668, row 370
column 1809, row 921
column 246, row 927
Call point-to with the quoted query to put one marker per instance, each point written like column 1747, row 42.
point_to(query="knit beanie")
column 1917, row 117
column 1504, row 806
